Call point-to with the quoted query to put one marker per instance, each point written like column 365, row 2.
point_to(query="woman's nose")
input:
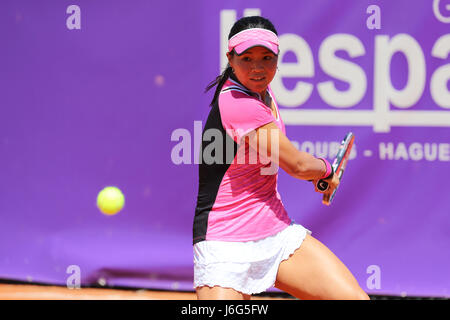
column 257, row 66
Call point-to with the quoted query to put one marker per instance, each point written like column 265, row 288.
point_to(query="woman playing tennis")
column 244, row 240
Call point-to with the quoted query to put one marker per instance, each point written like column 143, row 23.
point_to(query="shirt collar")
column 236, row 82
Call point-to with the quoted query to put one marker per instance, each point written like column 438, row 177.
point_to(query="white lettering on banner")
column 440, row 78
column 381, row 118
column 304, row 67
column 437, row 12
column 342, row 70
column 415, row 151
column 322, row 149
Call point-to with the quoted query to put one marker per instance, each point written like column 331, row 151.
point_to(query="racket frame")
column 339, row 164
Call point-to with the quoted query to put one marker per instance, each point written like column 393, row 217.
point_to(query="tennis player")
column 244, row 241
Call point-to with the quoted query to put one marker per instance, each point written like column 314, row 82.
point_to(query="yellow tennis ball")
column 110, row 200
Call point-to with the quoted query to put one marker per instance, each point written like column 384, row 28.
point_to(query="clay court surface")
column 44, row 292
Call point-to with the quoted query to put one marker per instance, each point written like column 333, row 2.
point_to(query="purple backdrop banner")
column 99, row 93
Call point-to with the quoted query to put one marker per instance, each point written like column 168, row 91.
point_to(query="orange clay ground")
column 44, row 292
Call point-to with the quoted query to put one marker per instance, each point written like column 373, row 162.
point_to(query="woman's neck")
column 263, row 95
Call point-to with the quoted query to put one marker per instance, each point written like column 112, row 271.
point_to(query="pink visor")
column 251, row 38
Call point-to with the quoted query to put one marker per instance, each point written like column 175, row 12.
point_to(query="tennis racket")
column 339, row 164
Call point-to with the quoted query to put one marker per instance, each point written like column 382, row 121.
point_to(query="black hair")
column 240, row 25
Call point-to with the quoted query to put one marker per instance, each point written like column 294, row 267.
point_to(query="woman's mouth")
column 258, row 79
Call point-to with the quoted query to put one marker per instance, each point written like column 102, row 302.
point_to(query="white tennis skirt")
column 248, row 267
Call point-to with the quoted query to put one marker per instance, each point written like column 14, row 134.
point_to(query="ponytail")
column 219, row 82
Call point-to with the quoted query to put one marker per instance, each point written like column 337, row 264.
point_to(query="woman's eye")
column 246, row 59
column 267, row 58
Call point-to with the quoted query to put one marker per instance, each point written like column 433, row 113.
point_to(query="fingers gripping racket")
column 339, row 164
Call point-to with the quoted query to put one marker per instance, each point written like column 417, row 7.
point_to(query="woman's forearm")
column 308, row 167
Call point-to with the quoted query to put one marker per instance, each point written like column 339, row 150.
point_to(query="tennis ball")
column 110, row 200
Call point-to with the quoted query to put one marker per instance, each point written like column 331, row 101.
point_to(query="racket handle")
column 332, row 195
column 322, row 185
column 328, row 198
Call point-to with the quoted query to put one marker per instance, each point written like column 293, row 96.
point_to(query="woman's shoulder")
column 235, row 90
column 238, row 106
column 233, row 95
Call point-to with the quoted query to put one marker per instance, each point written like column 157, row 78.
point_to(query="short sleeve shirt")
column 237, row 198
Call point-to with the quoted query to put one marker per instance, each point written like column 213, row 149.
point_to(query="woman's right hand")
column 333, row 183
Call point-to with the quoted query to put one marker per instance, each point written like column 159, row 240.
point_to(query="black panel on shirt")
column 211, row 175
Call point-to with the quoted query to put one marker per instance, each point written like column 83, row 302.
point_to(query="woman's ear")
column 229, row 56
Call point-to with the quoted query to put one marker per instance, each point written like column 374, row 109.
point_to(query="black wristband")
column 331, row 174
